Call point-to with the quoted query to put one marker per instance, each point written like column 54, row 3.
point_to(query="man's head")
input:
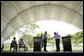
column 45, row 32
column 54, row 33
column 14, row 38
column 21, row 39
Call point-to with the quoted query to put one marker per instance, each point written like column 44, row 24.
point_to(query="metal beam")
column 48, row 4
column 78, row 6
column 18, row 10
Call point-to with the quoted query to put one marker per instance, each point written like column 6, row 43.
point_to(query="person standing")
column 57, row 40
column 2, row 45
column 45, row 40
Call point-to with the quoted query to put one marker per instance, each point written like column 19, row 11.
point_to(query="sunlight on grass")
column 51, row 48
column 76, row 48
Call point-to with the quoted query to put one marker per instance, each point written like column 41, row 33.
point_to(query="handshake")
column 48, row 38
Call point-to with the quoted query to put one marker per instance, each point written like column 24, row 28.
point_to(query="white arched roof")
column 15, row 14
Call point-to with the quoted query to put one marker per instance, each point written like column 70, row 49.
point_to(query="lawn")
column 74, row 48
column 78, row 48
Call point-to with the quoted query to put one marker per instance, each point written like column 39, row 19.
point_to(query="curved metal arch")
column 47, row 4
column 43, row 5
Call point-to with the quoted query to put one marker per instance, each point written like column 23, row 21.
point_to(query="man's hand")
column 49, row 38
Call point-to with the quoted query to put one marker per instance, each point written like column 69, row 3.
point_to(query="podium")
column 66, row 40
column 37, row 43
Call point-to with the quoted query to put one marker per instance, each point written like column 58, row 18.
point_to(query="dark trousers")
column 45, row 42
column 2, row 48
column 57, row 44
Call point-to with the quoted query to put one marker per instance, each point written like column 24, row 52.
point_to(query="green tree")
column 77, row 38
column 39, row 35
column 28, row 40
column 30, row 28
column 26, row 35
column 6, row 46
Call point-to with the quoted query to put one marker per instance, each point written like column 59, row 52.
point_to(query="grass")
column 74, row 48
column 80, row 48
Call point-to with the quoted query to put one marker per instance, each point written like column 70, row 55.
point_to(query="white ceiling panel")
column 19, row 13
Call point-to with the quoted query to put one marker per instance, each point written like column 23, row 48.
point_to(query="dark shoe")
column 46, row 51
column 57, row 51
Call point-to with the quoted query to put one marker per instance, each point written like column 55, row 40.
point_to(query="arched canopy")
column 15, row 14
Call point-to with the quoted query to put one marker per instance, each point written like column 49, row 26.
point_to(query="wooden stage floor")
column 41, row 53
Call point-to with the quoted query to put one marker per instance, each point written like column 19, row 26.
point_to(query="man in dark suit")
column 45, row 40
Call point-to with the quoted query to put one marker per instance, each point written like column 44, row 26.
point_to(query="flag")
column 42, row 40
